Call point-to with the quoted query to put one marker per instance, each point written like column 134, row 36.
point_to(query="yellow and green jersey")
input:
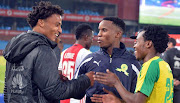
column 155, row 80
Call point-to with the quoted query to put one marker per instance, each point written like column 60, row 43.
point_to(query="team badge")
column 123, row 69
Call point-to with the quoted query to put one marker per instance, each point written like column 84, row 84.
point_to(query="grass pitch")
column 2, row 73
column 159, row 15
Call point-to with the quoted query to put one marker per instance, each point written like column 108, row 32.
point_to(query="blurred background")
column 135, row 13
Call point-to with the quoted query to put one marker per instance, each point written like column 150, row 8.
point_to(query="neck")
column 150, row 55
column 80, row 42
column 115, row 45
column 38, row 30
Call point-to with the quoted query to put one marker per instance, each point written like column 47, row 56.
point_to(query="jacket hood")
column 22, row 44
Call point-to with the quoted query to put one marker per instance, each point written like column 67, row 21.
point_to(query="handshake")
column 109, row 79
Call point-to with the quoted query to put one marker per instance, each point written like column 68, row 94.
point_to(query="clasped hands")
column 109, row 79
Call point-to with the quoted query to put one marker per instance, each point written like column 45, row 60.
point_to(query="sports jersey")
column 71, row 58
column 121, row 62
column 155, row 80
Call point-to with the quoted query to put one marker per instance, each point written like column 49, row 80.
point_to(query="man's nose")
column 60, row 30
column 99, row 34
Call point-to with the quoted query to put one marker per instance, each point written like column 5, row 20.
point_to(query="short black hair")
column 83, row 29
column 134, row 37
column 158, row 36
column 43, row 10
column 172, row 40
column 117, row 21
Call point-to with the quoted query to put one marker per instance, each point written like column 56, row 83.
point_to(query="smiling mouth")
column 99, row 41
column 135, row 52
column 56, row 35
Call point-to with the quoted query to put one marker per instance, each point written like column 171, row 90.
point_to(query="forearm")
column 127, row 96
column 75, row 88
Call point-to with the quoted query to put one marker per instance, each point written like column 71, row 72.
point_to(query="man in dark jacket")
column 32, row 67
column 172, row 57
column 113, row 56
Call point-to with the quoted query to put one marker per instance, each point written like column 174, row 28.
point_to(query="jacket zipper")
column 110, row 60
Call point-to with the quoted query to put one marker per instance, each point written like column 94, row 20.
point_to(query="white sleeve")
column 80, row 56
column 60, row 63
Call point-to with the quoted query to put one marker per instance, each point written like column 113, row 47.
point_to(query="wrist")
column 117, row 83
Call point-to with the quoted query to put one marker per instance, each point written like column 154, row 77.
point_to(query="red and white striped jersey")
column 70, row 60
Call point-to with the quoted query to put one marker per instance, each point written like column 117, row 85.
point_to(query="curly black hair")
column 117, row 21
column 158, row 36
column 83, row 29
column 43, row 10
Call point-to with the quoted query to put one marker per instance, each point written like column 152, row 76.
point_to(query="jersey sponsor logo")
column 176, row 62
column 17, row 81
column 69, row 55
column 97, row 62
column 17, row 84
column 123, row 69
column 176, row 58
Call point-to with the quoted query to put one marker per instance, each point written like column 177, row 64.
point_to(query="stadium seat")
column 94, row 48
column 1, row 98
column 3, row 44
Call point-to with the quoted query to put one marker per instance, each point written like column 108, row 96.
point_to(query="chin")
column 137, row 57
column 53, row 40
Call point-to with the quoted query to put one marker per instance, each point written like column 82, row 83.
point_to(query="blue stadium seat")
column 67, row 11
column 3, row 44
column 95, row 33
column 1, row 98
column 94, row 48
column 129, row 49
column 66, row 46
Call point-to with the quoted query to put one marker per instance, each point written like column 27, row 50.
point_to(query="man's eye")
column 104, row 30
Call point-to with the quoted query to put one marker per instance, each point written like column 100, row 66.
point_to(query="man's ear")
column 149, row 43
column 85, row 37
column 40, row 22
column 119, row 34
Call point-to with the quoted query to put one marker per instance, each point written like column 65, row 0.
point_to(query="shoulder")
column 90, row 57
column 130, row 57
column 98, row 54
column 64, row 51
column 169, row 51
column 152, row 65
column 85, row 51
column 44, row 50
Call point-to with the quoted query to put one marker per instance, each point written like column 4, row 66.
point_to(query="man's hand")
column 176, row 82
column 108, row 78
column 105, row 98
column 62, row 77
column 90, row 76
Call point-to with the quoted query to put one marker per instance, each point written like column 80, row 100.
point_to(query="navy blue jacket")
column 121, row 62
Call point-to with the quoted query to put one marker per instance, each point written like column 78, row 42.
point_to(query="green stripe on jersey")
column 151, row 77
